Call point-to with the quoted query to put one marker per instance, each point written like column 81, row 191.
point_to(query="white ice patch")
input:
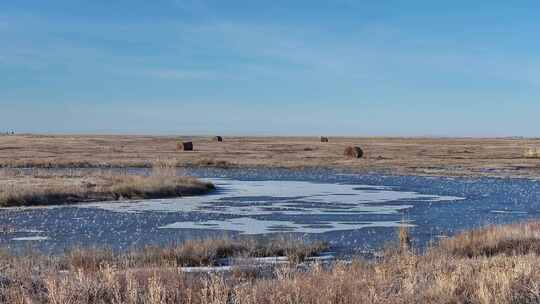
column 254, row 263
column 251, row 226
column 248, row 198
column 508, row 212
column 207, row 269
column 30, row 238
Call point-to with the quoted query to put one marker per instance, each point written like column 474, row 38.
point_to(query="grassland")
column 41, row 187
column 499, row 264
column 503, row 157
column 474, row 267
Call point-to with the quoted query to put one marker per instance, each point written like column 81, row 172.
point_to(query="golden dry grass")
column 431, row 156
column 189, row 254
column 459, row 270
column 518, row 239
column 532, row 153
column 48, row 188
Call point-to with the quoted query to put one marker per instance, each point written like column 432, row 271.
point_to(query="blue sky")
column 341, row 67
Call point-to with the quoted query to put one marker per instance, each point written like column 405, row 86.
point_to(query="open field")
column 46, row 188
column 463, row 269
column 431, row 156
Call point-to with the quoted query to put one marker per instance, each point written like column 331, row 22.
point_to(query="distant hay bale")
column 353, row 152
column 184, row 146
column 218, row 138
column 532, row 153
column 324, row 139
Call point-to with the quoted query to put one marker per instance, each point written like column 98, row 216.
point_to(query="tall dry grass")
column 459, row 270
column 191, row 253
column 149, row 275
column 43, row 187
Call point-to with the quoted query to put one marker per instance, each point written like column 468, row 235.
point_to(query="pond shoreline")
column 43, row 188
column 442, row 172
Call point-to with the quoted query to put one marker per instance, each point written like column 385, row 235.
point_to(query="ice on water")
column 244, row 202
column 287, row 197
column 31, row 238
column 251, row 226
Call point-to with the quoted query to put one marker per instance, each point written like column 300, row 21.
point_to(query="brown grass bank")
column 44, row 188
column 459, row 270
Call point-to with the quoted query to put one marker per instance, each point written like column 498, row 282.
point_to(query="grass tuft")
column 532, row 153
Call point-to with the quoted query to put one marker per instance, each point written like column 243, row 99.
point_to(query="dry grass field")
column 499, row 264
column 427, row 156
column 464, row 269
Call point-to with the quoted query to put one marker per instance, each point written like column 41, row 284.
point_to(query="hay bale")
column 324, row 139
column 532, row 153
column 353, row 152
column 218, row 138
column 184, row 146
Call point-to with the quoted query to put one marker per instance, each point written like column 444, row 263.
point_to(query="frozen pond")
column 262, row 207
column 354, row 212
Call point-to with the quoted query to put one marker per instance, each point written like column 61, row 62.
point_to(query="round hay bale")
column 353, row 152
column 218, row 138
column 324, row 139
column 184, row 146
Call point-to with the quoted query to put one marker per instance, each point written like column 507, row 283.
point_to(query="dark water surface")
column 353, row 212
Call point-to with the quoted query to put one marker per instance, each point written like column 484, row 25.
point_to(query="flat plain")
column 497, row 264
column 496, row 157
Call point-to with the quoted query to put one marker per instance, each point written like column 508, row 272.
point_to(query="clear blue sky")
column 339, row 67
